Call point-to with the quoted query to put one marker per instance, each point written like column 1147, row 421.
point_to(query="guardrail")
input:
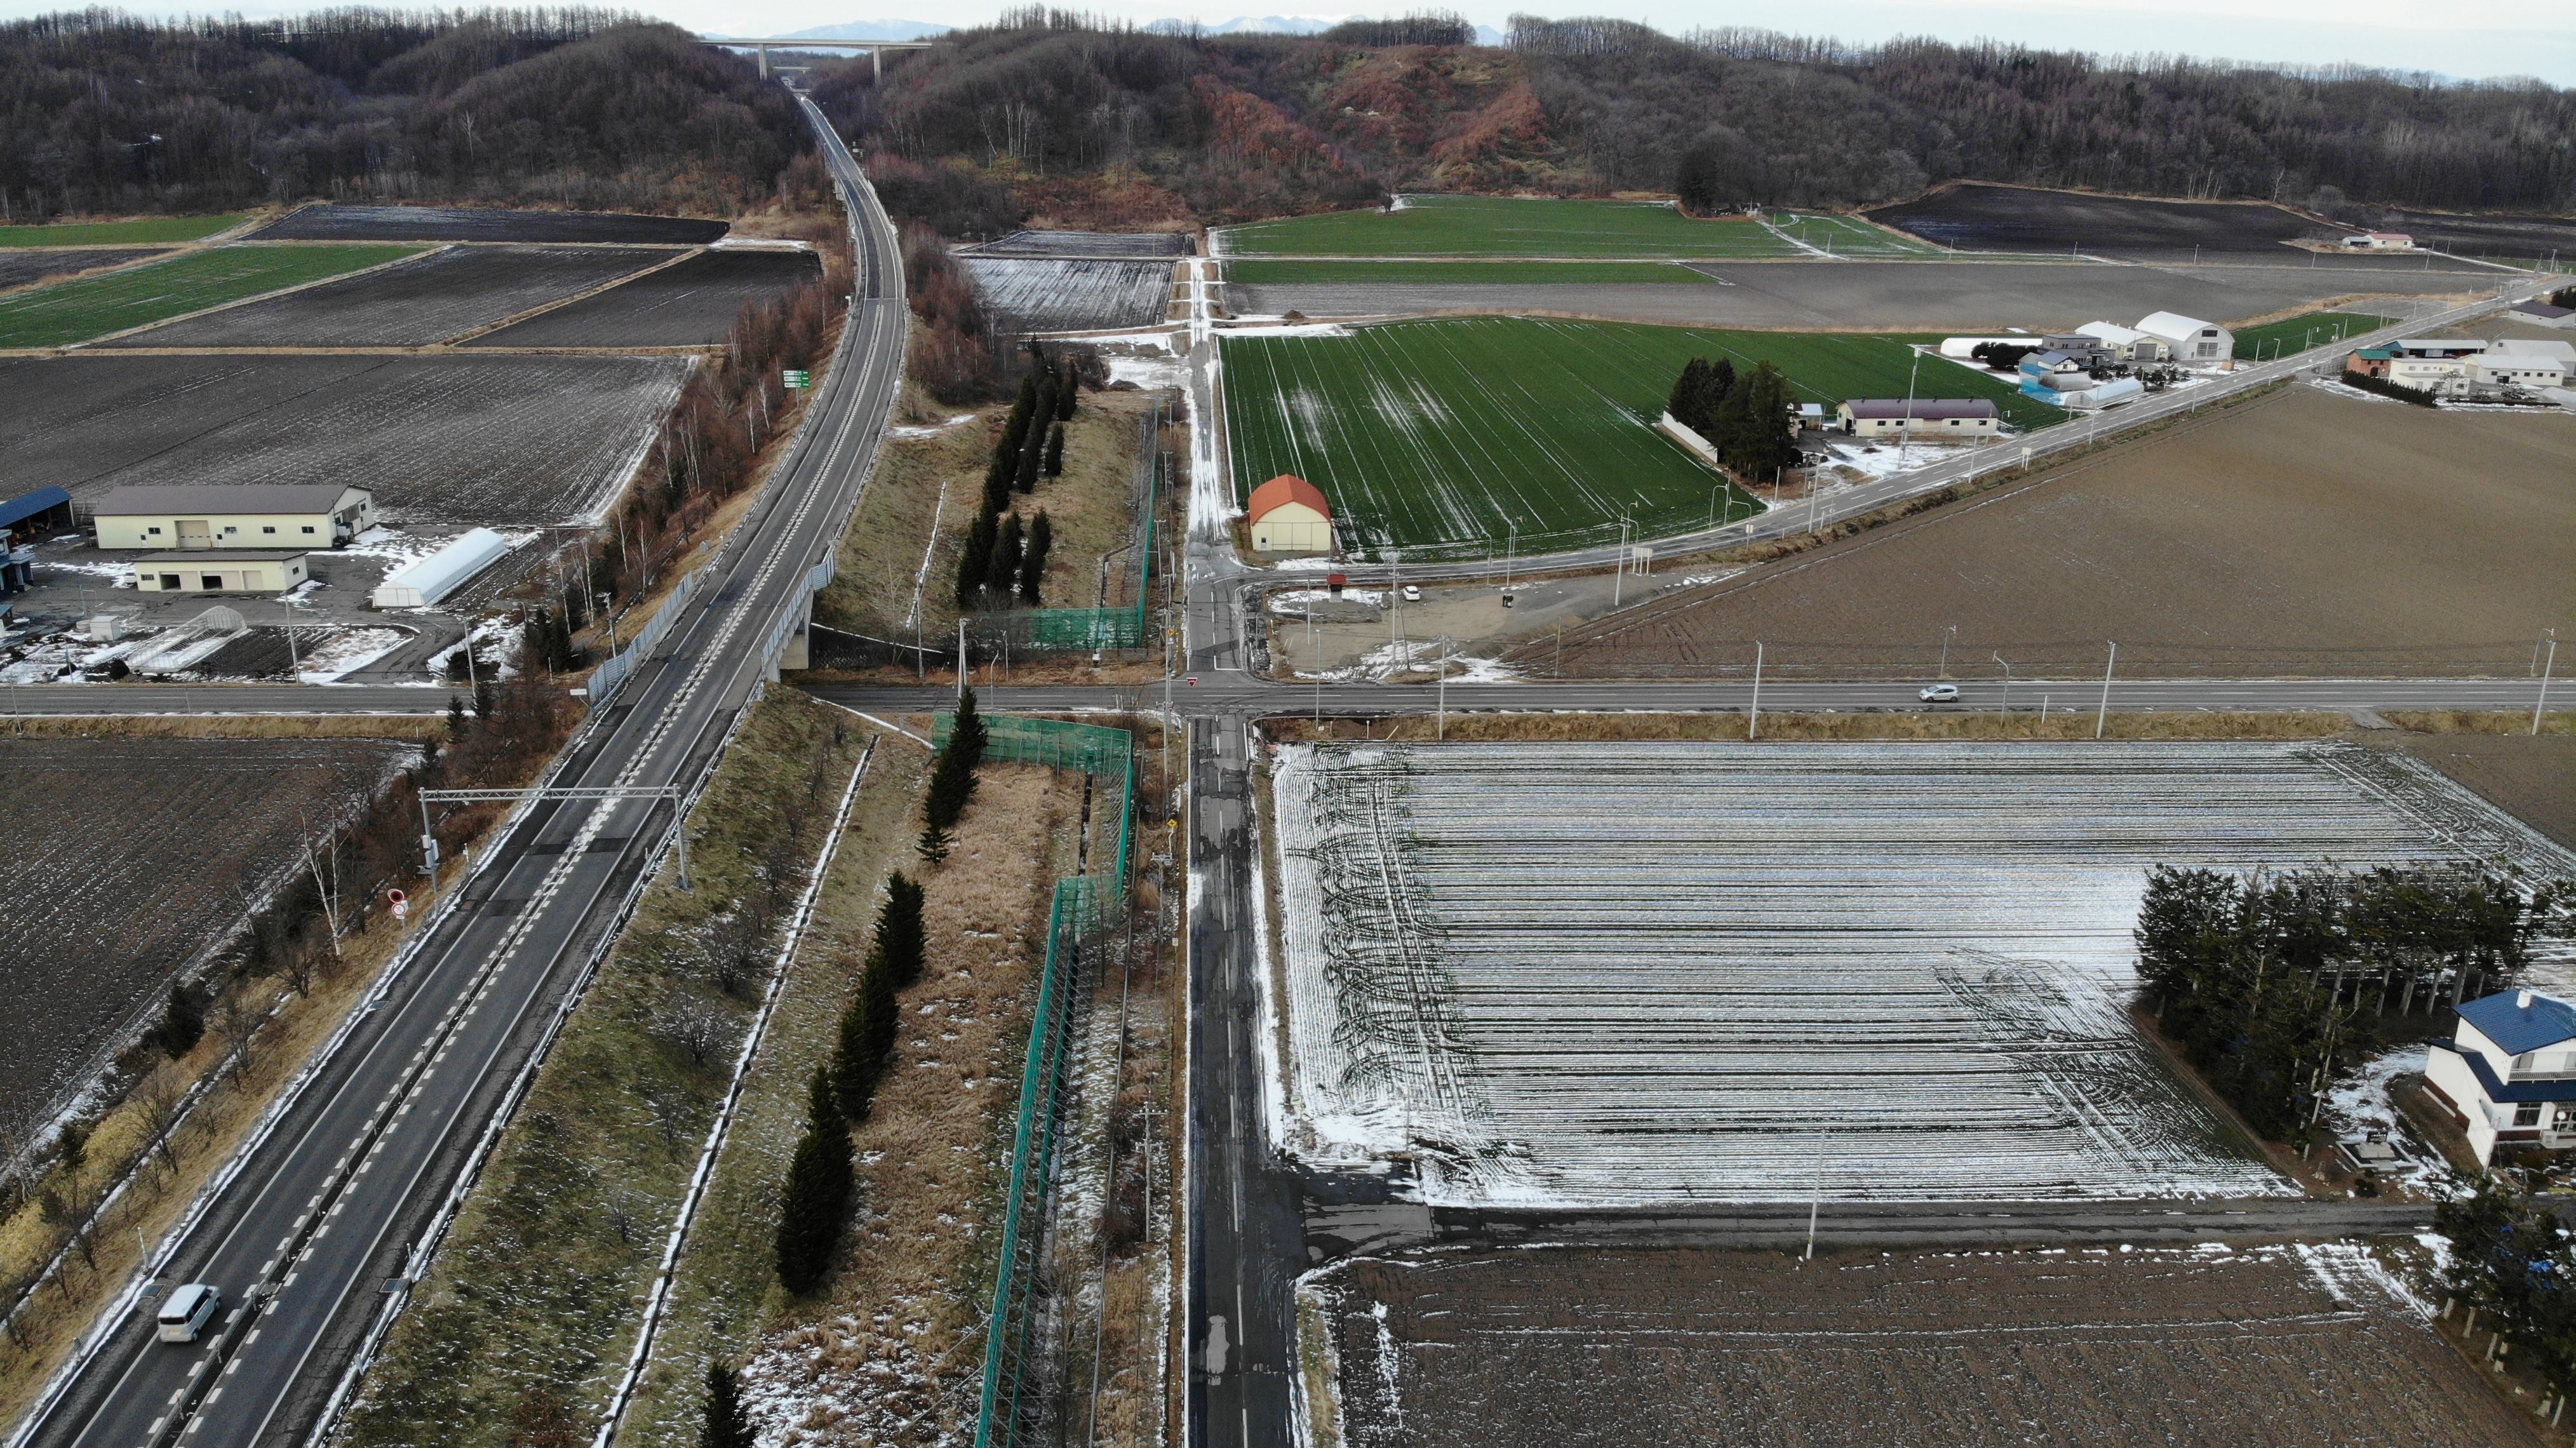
column 621, row 665
column 1086, row 907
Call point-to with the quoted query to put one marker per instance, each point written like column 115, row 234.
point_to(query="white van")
column 185, row 1312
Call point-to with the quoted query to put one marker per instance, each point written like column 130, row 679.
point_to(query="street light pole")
column 1945, row 651
column 1753, row 720
column 2546, row 666
column 1998, row 658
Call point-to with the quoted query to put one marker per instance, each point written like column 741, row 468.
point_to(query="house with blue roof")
column 2509, row 1072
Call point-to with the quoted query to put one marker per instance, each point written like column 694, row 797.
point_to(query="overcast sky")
column 2445, row 36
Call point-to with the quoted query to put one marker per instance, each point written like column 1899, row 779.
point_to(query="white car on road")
column 186, row 1311
column 1940, row 694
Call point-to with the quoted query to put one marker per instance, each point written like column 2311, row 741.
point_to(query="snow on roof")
column 425, row 581
column 2525, row 347
column 2172, row 324
column 1923, row 407
column 1284, row 489
column 2520, row 1021
column 2111, row 332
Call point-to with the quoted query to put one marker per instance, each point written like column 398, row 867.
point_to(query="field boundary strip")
column 405, row 252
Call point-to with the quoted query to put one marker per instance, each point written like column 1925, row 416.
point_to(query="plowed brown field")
column 2281, row 1346
column 2302, row 535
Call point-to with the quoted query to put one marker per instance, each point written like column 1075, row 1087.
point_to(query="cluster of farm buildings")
column 249, row 538
column 2465, row 367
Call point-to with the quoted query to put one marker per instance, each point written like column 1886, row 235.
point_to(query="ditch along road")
column 315, row 1229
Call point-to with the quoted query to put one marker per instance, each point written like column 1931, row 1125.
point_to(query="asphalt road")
column 1230, row 693
column 337, row 1200
column 1247, row 1244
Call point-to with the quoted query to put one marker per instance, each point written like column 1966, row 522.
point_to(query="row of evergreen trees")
column 2513, row 1263
column 1747, row 419
column 2272, row 983
column 1003, row 561
column 952, row 779
column 820, row 1177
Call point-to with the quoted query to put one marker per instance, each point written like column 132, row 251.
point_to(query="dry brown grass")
column 895, row 1345
column 2469, row 721
column 432, row 723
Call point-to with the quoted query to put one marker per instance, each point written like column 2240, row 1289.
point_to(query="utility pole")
column 1753, row 720
column 961, row 662
column 1952, row 633
column 1394, row 607
column 1998, row 658
column 2104, row 712
column 1440, row 719
column 2546, row 667
column 1619, row 579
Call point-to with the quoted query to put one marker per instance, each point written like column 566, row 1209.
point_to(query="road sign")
column 796, row 378
column 400, row 902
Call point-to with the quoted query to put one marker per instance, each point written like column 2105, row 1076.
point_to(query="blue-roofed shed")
column 41, row 511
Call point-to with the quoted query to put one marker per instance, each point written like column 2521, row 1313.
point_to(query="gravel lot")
column 1069, row 295
column 688, row 305
column 18, row 268
column 439, row 296
column 126, row 859
column 2307, row 534
column 325, row 222
column 2290, row 1346
column 455, row 439
column 1903, row 295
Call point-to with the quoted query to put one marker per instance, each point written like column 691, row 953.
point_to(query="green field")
column 1850, row 236
column 142, row 232
column 1443, row 437
column 95, row 306
column 2298, row 334
column 1461, row 273
column 1481, row 226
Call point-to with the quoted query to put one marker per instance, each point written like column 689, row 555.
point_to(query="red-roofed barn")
column 1289, row 515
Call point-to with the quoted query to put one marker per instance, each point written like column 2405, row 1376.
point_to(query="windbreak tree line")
column 2273, row 983
column 2512, row 1264
column 104, row 112
column 1746, row 418
column 1005, row 558
column 821, row 1180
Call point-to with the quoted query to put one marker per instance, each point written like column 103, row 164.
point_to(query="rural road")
column 315, row 1229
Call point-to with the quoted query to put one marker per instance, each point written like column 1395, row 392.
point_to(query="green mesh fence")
column 1086, row 907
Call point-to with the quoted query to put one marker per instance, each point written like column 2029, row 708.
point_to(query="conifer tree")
column 817, row 1194
column 1064, row 391
column 900, row 927
column 868, row 1029
column 952, row 779
column 1026, row 479
column 1054, row 466
column 1683, row 404
column 1033, row 565
column 728, row 1422
column 1002, row 570
column 975, row 562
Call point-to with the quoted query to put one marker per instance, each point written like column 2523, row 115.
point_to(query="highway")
column 313, row 1231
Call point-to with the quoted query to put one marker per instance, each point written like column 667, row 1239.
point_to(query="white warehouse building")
column 2189, row 340
column 233, row 515
column 424, row 581
column 2126, row 343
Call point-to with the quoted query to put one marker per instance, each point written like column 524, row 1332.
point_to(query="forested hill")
column 1061, row 118
column 105, row 113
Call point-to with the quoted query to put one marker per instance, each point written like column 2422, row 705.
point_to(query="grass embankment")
column 1507, row 226
column 1462, row 273
column 923, row 495
column 140, row 231
column 118, row 301
column 522, row 1324
column 2293, row 335
column 892, row 1349
column 1445, row 436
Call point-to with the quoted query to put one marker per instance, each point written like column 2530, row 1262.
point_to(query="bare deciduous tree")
column 695, row 1026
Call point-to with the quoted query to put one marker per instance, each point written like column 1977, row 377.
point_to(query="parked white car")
column 187, row 1310
column 1941, row 694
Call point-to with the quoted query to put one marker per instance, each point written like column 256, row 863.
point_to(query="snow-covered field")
column 1641, row 974
column 1059, row 295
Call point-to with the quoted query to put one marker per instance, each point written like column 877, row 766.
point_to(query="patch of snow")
column 346, row 651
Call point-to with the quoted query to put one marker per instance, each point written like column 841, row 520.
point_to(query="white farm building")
column 248, row 515
column 424, row 581
column 220, row 570
column 2126, row 343
column 2189, row 340
column 1934, row 419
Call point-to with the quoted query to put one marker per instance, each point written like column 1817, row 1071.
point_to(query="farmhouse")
column 2189, row 340
column 2055, row 372
column 193, row 516
column 221, row 571
column 2509, row 1072
column 2126, row 343
column 1937, row 419
column 2370, row 361
column 2380, row 241
column 1289, row 516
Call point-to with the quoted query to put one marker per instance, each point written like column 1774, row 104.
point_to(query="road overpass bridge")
column 876, row 49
